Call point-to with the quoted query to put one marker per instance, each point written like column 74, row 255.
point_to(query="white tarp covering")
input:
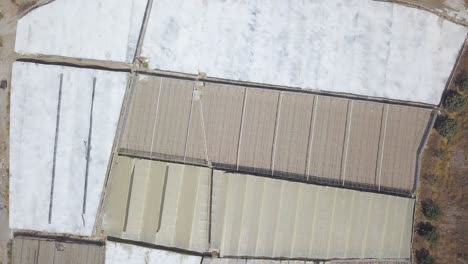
column 361, row 47
column 117, row 253
column 90, row 29
column 69, row 145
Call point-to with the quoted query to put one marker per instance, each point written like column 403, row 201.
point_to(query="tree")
column 430, row 209
column 424, row 257
column 454, row 101
column 462, row 82
column 427, row 231
column 446, row 127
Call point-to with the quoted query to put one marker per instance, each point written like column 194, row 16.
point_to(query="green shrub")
column 462, row 82
column 430, row 209
column 446, row 127
column 424, row 257
column 1, row 16
column 454, row 101
column 427, row 231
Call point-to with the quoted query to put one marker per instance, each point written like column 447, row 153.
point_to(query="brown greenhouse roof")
column 312, row 138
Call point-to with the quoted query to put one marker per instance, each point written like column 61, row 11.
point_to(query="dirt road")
column 10, row 10
column 7, row 37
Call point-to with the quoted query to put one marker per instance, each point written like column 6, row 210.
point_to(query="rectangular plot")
column 75, row 253
column 362, row 143
column 228, row 201
column 120, row 253
column 223, row 261
column 220, row 219
column 394, row 225
column 46, row 252
column 60, row 256
column 374, row 232
column 284, row 232
column 155, row 186
column 173, row 117
column 258, row 129
column 30, row 251
column 169, row 213
column 339, row 225
column 327, row 137
column 53, row 111
column 303, row 221
column 71, row 167
column 185, row 211
column 222, row 112
column 95, row 254
column 323, row 56
column 17, row 248
column 405, row 238
column 321, row 223
column 254, row 130
column 41, row 251
column 195, row 150
column 307, row 200
column 251, row 216
column 33, row 130
column 136, row 200
column 359, row 221
column 168, row 203
column 138, row 130
column 404, row 129
column 65, row 37
column 292, row 138
column 117, row 195
column 268, row 223
column 192, row 211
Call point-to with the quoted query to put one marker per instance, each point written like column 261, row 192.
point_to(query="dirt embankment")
column 444, row 179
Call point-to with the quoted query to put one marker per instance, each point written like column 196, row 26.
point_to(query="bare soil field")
column 444, row 179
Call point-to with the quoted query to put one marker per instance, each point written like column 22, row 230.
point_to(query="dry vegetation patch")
column 441, row 219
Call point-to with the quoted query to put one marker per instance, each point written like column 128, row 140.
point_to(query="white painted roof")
column 90, row 29
column 38, row 130
column 362, row 47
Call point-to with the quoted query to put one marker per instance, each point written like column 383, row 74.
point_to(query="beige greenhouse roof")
column 199, row 209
